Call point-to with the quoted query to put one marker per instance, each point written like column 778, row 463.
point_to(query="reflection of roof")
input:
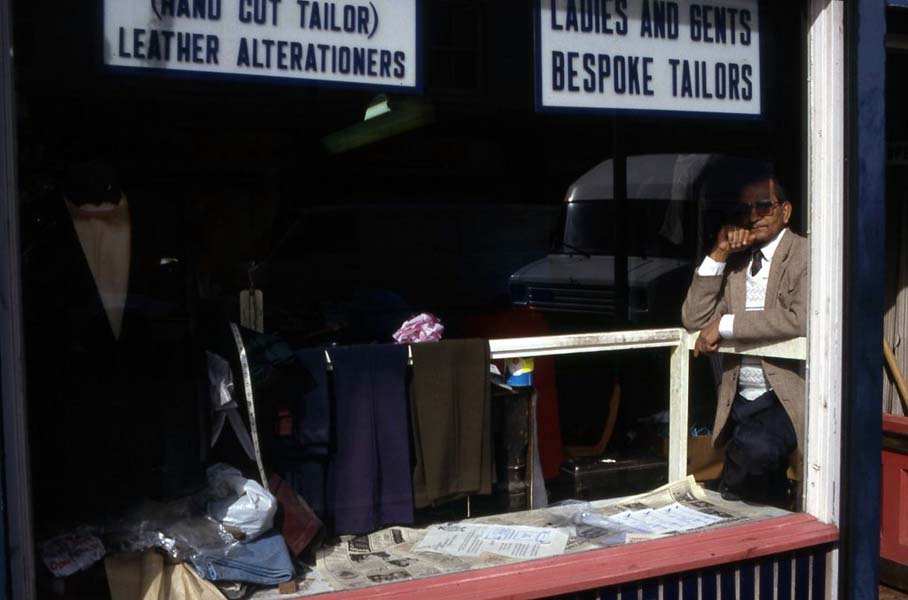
column 651, row 176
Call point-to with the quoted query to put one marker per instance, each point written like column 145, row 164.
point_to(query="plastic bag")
column 181, row 528
column 243, row 506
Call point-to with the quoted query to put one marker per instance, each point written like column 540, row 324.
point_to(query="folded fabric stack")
column 263, row 561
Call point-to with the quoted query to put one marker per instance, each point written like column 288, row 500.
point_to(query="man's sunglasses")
column 761, row 207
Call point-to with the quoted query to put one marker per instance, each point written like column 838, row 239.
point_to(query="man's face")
column 761, row 211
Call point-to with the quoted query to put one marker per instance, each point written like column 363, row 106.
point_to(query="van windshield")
column 654, row 228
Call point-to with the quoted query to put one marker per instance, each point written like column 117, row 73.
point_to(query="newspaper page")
column 400, row 553
column 514, row 541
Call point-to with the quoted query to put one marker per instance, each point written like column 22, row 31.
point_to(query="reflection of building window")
column 455, row 45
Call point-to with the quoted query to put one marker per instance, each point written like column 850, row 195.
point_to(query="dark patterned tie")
column 757, row 263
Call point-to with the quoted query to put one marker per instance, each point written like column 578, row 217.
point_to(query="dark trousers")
column 756, row 457
column 370, row 481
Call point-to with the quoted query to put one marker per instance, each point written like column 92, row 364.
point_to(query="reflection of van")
column 663, row 220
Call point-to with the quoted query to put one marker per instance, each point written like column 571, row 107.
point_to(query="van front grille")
column 574, row 299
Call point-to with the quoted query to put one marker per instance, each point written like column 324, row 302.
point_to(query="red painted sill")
column 610, row 566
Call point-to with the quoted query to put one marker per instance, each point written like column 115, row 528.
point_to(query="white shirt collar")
column 770, row 247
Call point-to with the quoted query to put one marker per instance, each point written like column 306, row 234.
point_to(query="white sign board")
column 649, row 55
column 356, row 42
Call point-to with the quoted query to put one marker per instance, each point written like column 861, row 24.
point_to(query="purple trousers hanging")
column 370, row 481
column 312, row 428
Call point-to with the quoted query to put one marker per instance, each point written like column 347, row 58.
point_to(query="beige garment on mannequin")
column 146, row 577
column 106, row 239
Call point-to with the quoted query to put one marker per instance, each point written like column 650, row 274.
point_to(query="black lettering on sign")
column 732, row 24
column 343, row 60
column 138, row 43
column 206, row 9
column 734, row 80
column 212, row 48
column 572, row 72
column 674, row 62
column 121, row 46
column 605, row 70
column 296, row 56
column 400, row 64
column 184, row 47
column 746, row 73
column 385, row 63
column 721, row 81
column 259, row 12
column 589, row 67
column 707, row 24
column 324, row 16
column 588, row 16
column 705, row 91
column 268, row 45
column 570, row 17
column 686, row 86
column 190, row 9
column 621, row 25
column 661, row 21
column 696, row 25
column 557, row 71
column 720, row 25
column 282, row 55
column 620, row 76
column 633, row 74
column 242, row 54
column 555, row 25
column 647, row 76
column 745, row 26
column 311, row 63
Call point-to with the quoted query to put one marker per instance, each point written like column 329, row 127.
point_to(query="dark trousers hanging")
column 312, row 412
column 370, row 481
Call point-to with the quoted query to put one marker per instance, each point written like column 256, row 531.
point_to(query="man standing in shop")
column 752, row 288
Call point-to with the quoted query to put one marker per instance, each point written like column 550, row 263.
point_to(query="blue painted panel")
column 802, row 577
column 818, row 579
column 629, row 591
column 727, row 582
column 708, row 588
column 784, row 579
column 766, row 580
column 748, row 581
column 670, row 588
column 651, row 589
column 689, row 586
column 864, row 265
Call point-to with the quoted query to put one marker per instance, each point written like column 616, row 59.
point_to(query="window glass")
column 160, row 210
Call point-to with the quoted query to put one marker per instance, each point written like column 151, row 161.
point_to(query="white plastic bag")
column 244, row 504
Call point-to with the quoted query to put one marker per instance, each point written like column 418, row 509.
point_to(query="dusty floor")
column 887, row 593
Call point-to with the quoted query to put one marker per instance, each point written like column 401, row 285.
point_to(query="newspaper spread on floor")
column 400, row 553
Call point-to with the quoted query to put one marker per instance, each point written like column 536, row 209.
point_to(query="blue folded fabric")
column 264, row 561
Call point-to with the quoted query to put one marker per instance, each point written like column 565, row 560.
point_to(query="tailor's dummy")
column 100, row 215
column 115, row 406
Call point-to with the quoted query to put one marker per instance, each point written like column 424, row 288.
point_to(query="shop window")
column 222, row 282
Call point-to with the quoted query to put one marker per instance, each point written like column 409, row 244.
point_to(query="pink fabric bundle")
column 421, row 328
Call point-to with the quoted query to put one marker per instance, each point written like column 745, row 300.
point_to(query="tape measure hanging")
column 250, row 404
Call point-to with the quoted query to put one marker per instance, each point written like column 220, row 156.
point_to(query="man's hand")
column 729, row 240
column 709, row 339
